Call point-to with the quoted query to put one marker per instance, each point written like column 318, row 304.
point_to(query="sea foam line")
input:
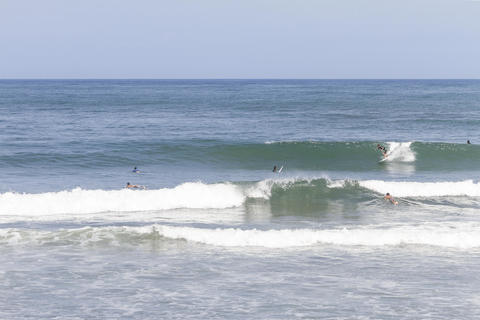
column 423, row 189
column 452, row 235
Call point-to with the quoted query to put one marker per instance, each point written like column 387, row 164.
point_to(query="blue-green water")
column 216, row 233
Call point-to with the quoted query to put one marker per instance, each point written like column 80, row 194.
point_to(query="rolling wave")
column 453, row 235
column 301, row 155
column 187, row 195
column 283, row 194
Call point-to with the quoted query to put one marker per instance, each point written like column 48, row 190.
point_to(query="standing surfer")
column 383, row 149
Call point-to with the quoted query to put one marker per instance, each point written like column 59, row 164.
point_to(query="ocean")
column 212, row 232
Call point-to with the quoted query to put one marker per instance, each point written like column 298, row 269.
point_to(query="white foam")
column 400, row 152
column 187, row 195
column 453, row 235
column 197, row 195
column 423, row 189
column 190, row 195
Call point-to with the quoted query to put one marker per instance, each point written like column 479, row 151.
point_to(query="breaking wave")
column 297, row 155
column 187, row 195
column 291, row 193
column 454, row 235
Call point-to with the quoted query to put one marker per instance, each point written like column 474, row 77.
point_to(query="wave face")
column 300, row 155
column 453, row 235
column 349, row 156
column 352, row 156
column 287, row 196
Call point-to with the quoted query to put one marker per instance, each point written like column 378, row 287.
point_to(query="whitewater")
column 198, row 195
column 451, row 235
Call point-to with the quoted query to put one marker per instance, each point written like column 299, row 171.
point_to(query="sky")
column 190, row 39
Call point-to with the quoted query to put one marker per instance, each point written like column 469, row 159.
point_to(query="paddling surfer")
column 134, row 186
column 389, row 197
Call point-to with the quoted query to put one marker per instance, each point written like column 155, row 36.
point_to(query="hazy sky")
column 240, row 39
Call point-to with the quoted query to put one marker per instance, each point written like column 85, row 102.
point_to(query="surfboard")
column 384, row 158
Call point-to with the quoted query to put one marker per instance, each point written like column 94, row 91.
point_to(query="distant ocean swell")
column 295, row 192
column 456, row 235
column 301, row 155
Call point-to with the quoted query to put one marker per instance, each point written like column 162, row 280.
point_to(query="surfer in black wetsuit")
column 468, row 142
column 383, row 149
column 274, row 169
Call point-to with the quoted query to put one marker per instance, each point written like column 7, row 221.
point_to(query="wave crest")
column 195, row 195
column 286, row 194
column 453, row 235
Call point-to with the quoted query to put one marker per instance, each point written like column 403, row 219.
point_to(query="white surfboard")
column 280, row 170
column 384, row 158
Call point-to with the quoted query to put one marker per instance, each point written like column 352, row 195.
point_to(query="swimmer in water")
column 468, row 142
column 390, row 198
column 274, row 169
column 135, row 170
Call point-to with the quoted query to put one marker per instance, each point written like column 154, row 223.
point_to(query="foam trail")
column 458, row 236
column 451, row 235
column 424, row 189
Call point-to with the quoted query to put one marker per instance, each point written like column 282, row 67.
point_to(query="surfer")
column 389, row 197
column 277, row 170
column 383, row 149
column 134, row 186
column 468, row 142
column 131, row 186
column 135, row 170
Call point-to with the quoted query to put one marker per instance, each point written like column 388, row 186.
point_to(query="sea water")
column 216, row 234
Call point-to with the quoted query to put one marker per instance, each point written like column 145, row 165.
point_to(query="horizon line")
column 203, row 79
